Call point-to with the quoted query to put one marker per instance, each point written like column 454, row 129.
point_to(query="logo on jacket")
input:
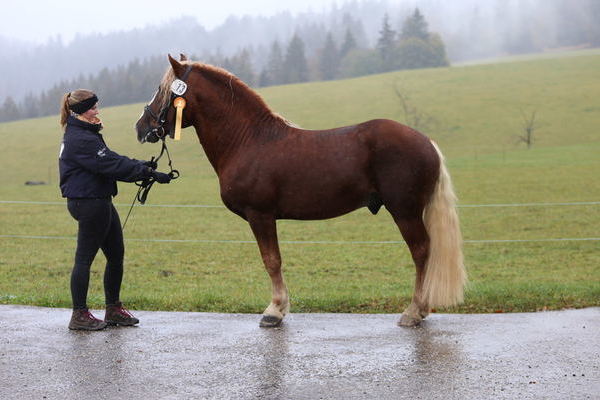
column 102, row 152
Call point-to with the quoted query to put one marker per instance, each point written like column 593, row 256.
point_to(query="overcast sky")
column 37, row 20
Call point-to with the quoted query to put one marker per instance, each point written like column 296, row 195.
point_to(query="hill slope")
column 521, row 257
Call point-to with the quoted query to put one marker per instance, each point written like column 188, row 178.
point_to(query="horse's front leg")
column 265, row 231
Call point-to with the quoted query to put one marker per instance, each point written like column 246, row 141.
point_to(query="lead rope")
column 146, row 184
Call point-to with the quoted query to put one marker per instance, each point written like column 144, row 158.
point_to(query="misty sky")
column 37, row 20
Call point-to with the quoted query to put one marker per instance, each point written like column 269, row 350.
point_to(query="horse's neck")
column 222, row 138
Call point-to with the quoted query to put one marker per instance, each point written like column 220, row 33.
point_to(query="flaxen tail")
column 445, row 275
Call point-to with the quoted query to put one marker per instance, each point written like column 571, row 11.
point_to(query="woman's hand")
column 161, row 177
column 152, row 164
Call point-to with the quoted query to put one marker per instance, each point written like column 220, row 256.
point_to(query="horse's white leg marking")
column 413, row 315
column 280, row 303
column 265, row 230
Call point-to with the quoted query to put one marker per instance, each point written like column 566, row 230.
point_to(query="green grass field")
column 514, row 257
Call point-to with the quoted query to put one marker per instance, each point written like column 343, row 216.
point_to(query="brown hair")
column 69, row 99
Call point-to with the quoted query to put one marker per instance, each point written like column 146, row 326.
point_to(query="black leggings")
column 99, row 228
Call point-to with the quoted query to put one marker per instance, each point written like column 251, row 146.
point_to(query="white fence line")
column 579, row 203
column 335, row 242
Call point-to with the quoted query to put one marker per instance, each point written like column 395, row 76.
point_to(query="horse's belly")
column 330, row 181
column 308, row 203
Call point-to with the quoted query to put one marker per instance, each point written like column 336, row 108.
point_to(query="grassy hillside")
column 478, row 115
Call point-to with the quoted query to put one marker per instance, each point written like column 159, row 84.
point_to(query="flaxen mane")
column 234, row 88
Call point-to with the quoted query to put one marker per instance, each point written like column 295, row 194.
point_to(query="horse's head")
column 158, row 118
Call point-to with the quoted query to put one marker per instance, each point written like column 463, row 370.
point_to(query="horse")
column 270, row 169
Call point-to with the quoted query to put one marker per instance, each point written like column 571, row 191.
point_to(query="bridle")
column 160, row 119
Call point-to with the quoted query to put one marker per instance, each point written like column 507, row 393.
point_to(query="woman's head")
column 81, row 102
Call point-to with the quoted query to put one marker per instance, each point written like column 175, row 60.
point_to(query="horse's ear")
column 177, row 67
column 182, row 57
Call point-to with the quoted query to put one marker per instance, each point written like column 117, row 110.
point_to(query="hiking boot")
column 116, row 314
column 83, row 320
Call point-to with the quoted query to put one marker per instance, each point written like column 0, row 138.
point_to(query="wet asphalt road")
column 549, row 355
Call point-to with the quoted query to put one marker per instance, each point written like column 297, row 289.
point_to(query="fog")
column 112, row 33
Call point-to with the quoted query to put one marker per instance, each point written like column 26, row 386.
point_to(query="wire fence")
column 62, row 203
column 308, row 242
column 325, row 242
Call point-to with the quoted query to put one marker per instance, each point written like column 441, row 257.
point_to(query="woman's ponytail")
column 64, row 109
column 70, row 99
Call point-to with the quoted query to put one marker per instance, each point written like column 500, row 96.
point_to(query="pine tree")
column 415, row 27
column 386, row 44
column 275, row 65
column 242, row 67
column 9, row 110
column 29, row 107
column 264, row 79
column 295, row 65
column 329, row 61
column 418, row 48
column 356, row 29
column 349, row 43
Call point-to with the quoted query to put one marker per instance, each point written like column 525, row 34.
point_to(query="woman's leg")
column 93, row 217
column 114, row 250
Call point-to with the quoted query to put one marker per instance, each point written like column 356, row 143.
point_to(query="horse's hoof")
column 270, row 321
column 409, row 321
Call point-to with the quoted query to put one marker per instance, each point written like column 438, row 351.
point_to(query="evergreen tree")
column 275, row 65
column 415, row 53
column 264, row 79
column 415, row 27
column 386, row 44
column 29, row 107
column 241, row 66
column 594, row 28
column 572, row 29
column 418, row 48
column 439, row 49
column 349, row 43
column 330, row 59
column 357, row 30
column 9, row 110
column 359, row 62
column 295, row 65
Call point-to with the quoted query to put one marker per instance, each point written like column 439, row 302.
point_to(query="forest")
column 355, row 39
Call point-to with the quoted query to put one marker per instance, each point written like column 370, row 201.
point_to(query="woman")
column 88, row 175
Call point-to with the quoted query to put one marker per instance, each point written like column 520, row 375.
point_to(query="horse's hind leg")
column 414, row 233
column 265, row 231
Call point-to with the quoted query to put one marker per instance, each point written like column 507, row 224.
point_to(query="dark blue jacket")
column 88, row 168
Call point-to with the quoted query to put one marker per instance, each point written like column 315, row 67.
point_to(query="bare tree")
column 529, row 127
column 413, row 117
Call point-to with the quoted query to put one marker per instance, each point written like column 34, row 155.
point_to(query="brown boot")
column 116, row 314
column 83, row 320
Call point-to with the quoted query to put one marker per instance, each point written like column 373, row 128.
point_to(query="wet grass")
column 478, row 107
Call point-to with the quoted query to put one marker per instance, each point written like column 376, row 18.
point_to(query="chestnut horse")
column 269, row 169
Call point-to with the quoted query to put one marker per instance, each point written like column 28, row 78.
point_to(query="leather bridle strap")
column 160, row 119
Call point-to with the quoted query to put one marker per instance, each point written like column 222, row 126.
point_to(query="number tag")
column 178, row 87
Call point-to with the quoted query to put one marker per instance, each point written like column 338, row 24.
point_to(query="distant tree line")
column 413, row 47
column 471, row 29
column 350, row 40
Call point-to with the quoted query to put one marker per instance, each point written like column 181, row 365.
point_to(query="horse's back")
column 322, row 174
